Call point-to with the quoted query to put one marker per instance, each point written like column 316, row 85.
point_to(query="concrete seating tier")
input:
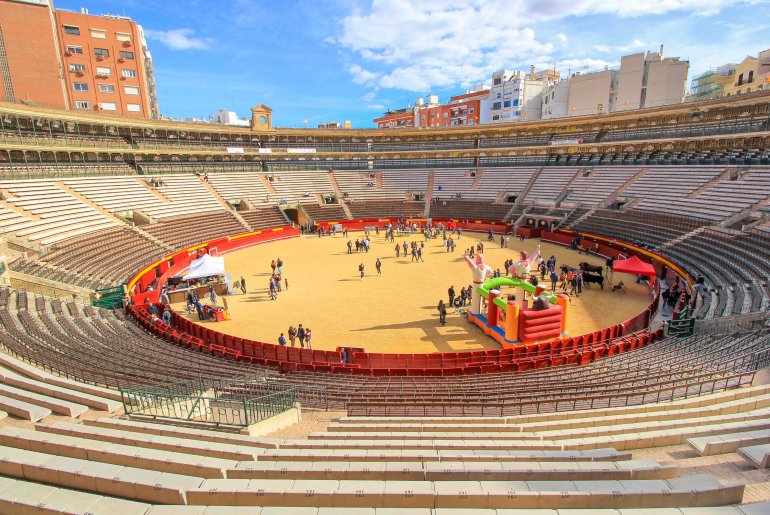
column 82, row 346
column 637, row 226
column 494, row 181
column 365, row 186
column 235, row 187
column 183, row 231
column 550, row 183
column 413, row 181
column 678, row 181
column 468, row 209
column 25, row 171
column 757, row 455
column 264, row 218
column 80, row 261
column 391, row 209
column 594, row 185
column 299, row 186
column 54, row 215
column 325, row 213
column 123, row 195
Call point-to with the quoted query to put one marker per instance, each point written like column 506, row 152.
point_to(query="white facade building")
column 226, row 117
column 556, row 100
column 514, row 96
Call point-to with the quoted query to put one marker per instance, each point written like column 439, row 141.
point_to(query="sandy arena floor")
column 396, row 312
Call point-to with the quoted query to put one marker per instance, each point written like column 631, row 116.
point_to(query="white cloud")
column 178, row 39
column 378, row 107
column 412, row 45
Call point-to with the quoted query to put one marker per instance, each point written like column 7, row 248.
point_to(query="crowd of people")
column 303, row 334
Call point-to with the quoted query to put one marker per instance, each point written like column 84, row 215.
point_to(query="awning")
column 206, row 267
column 633, row 265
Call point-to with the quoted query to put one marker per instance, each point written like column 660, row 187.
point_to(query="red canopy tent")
column 636, row 266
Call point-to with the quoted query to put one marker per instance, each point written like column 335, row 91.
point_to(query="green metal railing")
column 192, row 401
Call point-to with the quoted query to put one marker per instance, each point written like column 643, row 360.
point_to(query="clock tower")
column 261, row 118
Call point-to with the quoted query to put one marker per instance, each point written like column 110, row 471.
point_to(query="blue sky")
column 342, row 60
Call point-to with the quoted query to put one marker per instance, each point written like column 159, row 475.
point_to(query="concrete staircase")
column 429, row 192
column 225, row 204
column 685, row 236
column 341, row 195
column 638, row 175
column 520, row 199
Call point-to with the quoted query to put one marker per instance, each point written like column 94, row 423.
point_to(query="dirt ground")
column 396, row 312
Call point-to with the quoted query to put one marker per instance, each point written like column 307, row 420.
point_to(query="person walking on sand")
column 361, row 270
column 243, row 285
column 378, row 266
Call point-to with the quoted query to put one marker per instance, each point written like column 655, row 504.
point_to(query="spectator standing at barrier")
column 243, row 285
column 451, row 293
column 279, row 264
column 164, row 297
column 301, row 335
column 308, row 335
column 378, row 266
column 293, row 335
column 282, row 340
column 361, row 270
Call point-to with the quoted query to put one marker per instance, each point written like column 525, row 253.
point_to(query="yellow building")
column 751, row 75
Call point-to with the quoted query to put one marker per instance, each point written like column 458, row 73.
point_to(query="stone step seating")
column 450, row 183
column 493, row 453
column 730, row 442
column 24, row 410
column 62, row 407
column 405, row 180
column 688, row 491
column 116, row 454
column 386, row 209
column 183, row 231
column 469, row 209
column 357, row 186
column 549, row 184
column 125, row 194
column 679, row 181
column 599, row 184
column 325, row 213
column 493, row 181
column 23, row 497
column 184, row 190
column 235, row 187
column 9, row 217
column 300, row 187
column 112, row 397
column 225, row 451
column 513, row 428
column 61, row 215
column 264, row 218
column 11, row 378
column 757, row 455
column 189, row 433
column 454, row 471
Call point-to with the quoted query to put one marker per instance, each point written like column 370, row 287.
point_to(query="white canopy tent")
column 206, row 266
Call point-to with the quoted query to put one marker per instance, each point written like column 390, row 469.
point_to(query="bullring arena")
column 607, row 401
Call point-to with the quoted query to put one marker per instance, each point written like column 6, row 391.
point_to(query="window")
column 131, row 90
column 80, row 86
column 470, row 122
column 101, row 52
column 106, row 88
column 507, row 103
column 72, row 49
column 98, row 34
column 515, row 101
column 498, row 95
column 446, row 115
column 103, row 72
column 129, row 73
column 71, row 30
column 740, row 80
column 133, row 108
column 107, row 106
column 498, row 81
column 123, row 37
column 83, row 104
column 77, row 68
column 496, row 106
column 751, row 76
column 126, row 55
column 470, row 110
